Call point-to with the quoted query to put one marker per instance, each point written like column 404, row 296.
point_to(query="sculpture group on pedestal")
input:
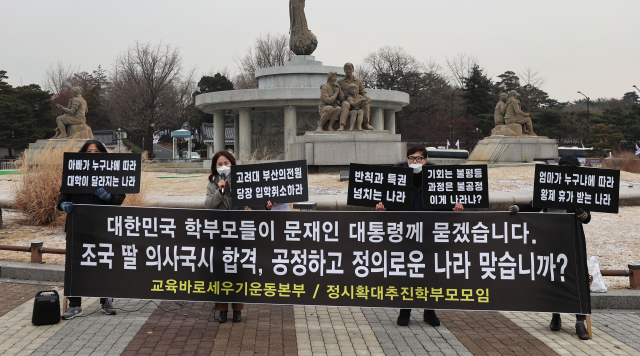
column 334, row 103
column 509, row 118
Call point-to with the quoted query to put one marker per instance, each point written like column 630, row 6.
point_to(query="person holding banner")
column 219, row 197
column 100, row 197
column 584, row 217
column 416, row 158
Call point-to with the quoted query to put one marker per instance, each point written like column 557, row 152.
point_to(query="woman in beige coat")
column 219, row 194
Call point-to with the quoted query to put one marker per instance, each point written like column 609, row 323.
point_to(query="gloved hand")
column 67, row 207
column 102, row 194
column 514, row 209
column 581, row 214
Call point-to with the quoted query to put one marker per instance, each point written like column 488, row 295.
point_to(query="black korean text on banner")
column 568, row 187
column 434, row 260
column 444, row 186
column 280, row 182
column 117, row 173
column 371, row 184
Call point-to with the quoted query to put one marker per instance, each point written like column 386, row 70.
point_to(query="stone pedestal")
column 332, row 151
column 509, row 150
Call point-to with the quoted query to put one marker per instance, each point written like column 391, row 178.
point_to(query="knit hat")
column 569, row 159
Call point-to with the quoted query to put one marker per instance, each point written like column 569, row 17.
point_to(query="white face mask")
column 417, row 167
column 224, row 170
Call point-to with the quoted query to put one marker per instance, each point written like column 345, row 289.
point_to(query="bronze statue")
column 301, row 40
column 72, row 124
column 346, row 107
column 514, row 115
column 329, row 108
column 501, row 108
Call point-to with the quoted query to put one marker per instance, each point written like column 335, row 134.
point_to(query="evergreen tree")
column 209, row 84
column 25, row 114
column 479, row 101
column 508, row 81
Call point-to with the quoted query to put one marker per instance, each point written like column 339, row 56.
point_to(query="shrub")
column 37, row 194
column 626, row 161
column 133, row 148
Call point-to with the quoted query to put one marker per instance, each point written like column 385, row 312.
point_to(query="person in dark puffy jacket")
column 416, row 158
column 584, row 217
column 66, row 203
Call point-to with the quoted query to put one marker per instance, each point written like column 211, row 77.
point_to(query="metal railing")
column 36, row 249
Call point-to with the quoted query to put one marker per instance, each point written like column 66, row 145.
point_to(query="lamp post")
column 636, row 88
column 452, row 94
column 119, row 138
column 151, row 138
column 588, row 113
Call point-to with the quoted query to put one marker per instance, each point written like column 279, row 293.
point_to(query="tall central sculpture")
column 301, row 40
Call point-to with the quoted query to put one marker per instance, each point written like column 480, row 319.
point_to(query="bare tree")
column 392, row 68
column 57, row 78
column 149, row 87
column 460, row 67
column 269, row 51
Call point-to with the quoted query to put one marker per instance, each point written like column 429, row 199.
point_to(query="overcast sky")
column 591, row 46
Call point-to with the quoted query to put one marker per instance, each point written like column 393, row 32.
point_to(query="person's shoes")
column 556, row 323
column 223, row 317
column 108, row 308
column 237, row 316
column 71, row 313
column 431, row 318
column 581, row 330
column 404, row 317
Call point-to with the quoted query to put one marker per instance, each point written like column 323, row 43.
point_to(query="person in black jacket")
column 101, row 197
column 584, row 217
column 416, row 158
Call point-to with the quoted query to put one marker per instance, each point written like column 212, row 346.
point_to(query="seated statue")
column 501, row 107
column 357, row 103
column 74, row 118
column 514, row 115
column 329, row 108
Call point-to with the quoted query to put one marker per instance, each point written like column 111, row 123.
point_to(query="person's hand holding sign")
column 380, row 207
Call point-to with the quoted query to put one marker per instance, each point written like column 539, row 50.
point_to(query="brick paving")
column 334, row 331
column 418, row 338
column 264, row 330
column 624, row 325
column 15, row 294
column 491, row 333
column 141, row 328
column 185, row 329
column 566, row 341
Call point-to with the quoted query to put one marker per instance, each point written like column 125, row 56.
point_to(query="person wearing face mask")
column 416, row 159
column 219, row 197
column 584, row 217
column 65, row 203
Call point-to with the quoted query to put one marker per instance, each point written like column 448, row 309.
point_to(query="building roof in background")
column 207, row 133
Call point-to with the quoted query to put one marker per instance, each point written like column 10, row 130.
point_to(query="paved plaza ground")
column 169, row 328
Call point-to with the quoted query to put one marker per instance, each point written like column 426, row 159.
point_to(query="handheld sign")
column 117, row 173
column 371, row 184
column 280, row 182
column 444, row 186
column 568, row 187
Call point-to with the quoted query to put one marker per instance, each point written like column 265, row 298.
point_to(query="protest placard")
column 279, row 182
column 371, row 184
column 117, row 173
column 569, row 188
column 444, row 186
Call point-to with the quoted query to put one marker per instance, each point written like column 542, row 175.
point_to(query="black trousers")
column 578, row 317
column 77, row 301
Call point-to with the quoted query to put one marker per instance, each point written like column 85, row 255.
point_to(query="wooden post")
column 65, row 303
column 589, row 326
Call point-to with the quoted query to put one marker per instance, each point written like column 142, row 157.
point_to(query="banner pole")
column 589, row 326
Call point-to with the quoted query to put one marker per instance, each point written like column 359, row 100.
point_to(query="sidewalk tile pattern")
column 565, row 341
column 264, row 330
column 490, row 333
column 95, row 333
column 334, row 331
column 418, row 338
column 180, row 329
column 624, row 325
column 15, row 294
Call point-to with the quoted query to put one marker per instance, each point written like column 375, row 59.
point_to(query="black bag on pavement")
column 46, row 308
